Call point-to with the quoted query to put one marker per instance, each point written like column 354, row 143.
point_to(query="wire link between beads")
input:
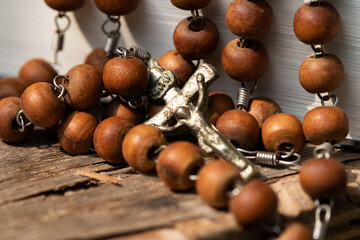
column 135, row 101
column 329, row 96
column 323, row 150
column 60, row 86
column 236, row 189
column 318, row 51
column 116, row 21
column 322, row 219
column 20, row 119
column 60, row 16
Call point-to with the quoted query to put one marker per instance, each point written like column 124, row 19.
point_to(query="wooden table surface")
column 47, row 194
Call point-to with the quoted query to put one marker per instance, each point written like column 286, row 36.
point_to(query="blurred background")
column 27, row 30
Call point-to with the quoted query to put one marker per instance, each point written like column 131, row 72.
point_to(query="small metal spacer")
column 21, row 119
column 323, row 150
column 243, row 98
column 322, row 219
column 133, row 52
column 273, row 159
column 60, row 86
column 328, row 97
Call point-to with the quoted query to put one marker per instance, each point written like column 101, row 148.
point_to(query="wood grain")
column 42, row 196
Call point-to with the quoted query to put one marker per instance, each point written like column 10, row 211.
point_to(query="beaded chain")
column 120, row 82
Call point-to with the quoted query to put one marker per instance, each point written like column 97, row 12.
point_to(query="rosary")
column 145, row 102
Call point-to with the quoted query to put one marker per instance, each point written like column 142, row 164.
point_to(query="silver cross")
column 163, row 86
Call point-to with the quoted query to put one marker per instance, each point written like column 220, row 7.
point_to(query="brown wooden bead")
column 116, row 7
column 125, row 76
column 190, row 4
column 316, row 23
column 324, row 124
column 215, row 180
column 65, row 5
column 173, row 61
column 249, row 19
column 9, row 129
column 240, row 127
column 255, row 204
column 177, row 162
column 12, row 87
column 282, row 131
column 153, row 109
column 76, row 132
column 139, row 144
column 83, row 87
column 108, row 138
column 323, row 177
column 321, row 74
column 120, row 109
column 246, row 63
column 37, row 70
column 41, row 105
column 262, row 108
column 97, row 58
column 195, row 40
column 296, row 231
column 218, row 103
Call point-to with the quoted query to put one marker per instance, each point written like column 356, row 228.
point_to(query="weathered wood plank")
column 43, row 197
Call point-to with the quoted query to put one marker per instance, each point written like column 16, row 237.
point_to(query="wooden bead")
column 12, row 87
column 97, row 58
column 83, row 87
column 262, row 108
column 125, row 76
column 108, row 138
column 9, row 129
column 321, row 74
column 173, row 61
column 218, row 103
column 177, row 162
column 37, row 70
column 316, row 23
column 240, row 127
column 116, row 7
column 323, row 178
column 120, row 109
column 76, row 132
column 65, row 5
column 41, row 105
column 282, row 131
column 139, row 145
column 296, row 231
column 249, row 19
column 245, row 63
column 153, row 109
column 190, row 4
column 255, row 204
column 193, row 41
column 215, row 180
column 325, row 123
